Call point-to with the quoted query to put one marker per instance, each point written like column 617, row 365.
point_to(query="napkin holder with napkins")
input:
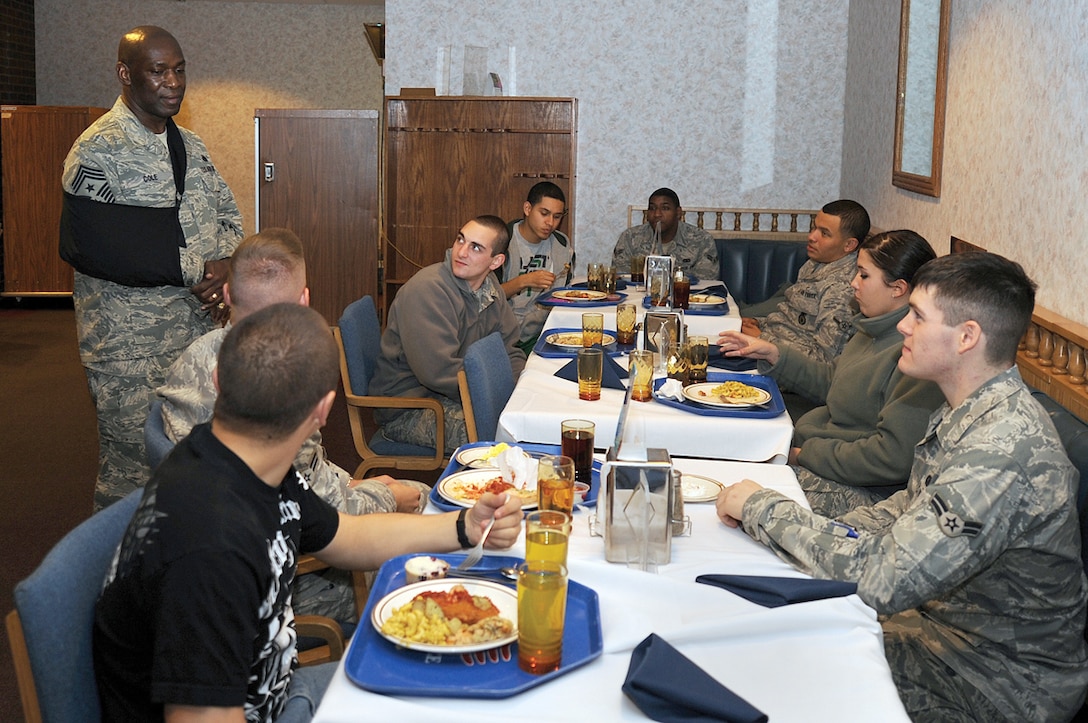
column 638, row 507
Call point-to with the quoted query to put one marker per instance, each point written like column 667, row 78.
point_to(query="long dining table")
column 541, row 401
column 814, row 661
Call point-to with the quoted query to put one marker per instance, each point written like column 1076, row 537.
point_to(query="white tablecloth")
column 541, row 401
column 816, row 661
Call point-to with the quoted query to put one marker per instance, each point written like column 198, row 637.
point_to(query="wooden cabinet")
column 35, row 140
column 317, row 174
column 449, row 159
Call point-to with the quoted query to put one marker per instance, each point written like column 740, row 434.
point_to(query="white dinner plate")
column 465, row 487
column 705, row 301
column 701, row 393
column 503, row 597
column 698, row 488
column 482, row 457
column 579, row 295
column 573, row 339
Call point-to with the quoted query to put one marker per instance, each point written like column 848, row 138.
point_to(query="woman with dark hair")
column 857, row 449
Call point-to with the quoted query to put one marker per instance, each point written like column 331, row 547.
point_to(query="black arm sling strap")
column 129, row 245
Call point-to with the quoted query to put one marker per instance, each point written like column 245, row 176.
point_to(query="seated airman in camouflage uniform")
column 975, row 568
column 815, row 314
column 269, row 268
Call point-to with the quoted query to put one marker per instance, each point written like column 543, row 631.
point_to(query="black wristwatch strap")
column 462, row 536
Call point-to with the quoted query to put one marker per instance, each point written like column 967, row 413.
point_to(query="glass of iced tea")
column 698, row 357
column 555, row 483
column 577, row 436
column 681, row 290
column 542, row 608
column 638, row 269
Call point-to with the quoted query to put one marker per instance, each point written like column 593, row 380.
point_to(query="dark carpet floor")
column 48, row 447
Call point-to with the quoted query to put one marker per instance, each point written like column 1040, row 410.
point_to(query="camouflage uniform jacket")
column 118, row 160
column 981, row 552
column 817, row 315
column 692, row 248
column 189, row 395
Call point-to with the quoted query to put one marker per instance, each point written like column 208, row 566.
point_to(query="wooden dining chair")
column 486, row 381
column 359, row 338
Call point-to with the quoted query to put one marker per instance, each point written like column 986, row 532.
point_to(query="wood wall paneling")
column 36, row 140
column 325, row 189
column 449, row 159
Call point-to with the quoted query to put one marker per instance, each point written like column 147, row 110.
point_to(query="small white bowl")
column 581, row 489
column 423, row 567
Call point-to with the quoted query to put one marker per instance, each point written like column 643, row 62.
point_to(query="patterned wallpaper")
column 728, row 102
column 1015, row 169
column 239, row 57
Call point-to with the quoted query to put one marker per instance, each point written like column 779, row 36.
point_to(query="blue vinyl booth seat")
column 1074, row 436
column 754, row 269
column 486, row 383
column 55, row 607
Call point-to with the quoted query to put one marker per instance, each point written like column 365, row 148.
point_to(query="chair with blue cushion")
column 486, row 382
column 156, row 443
column 50, row 628
column 359, row 338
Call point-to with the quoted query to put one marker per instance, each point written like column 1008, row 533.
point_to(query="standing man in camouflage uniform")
column 975, row 568
column 691, row 247
column 270, row 268
column 815, row 313
column 131, row 326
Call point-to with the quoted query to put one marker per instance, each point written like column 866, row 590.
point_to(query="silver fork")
column 477, row 553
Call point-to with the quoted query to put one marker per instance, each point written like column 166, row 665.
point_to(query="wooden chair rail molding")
column 1051, row 358
column 741, row 222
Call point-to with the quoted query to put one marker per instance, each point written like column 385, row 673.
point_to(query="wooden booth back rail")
column 747, row 223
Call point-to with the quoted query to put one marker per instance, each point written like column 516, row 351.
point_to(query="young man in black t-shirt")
column 195, row 620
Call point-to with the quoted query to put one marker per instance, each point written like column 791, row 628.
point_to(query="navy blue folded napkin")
column 667, row 686
column 716, row 359
column 612, row 374
column 716, row 290
column 773, row 592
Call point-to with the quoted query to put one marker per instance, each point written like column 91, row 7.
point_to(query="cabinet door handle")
column 269, row 172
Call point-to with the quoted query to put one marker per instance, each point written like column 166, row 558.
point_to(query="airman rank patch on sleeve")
column 951, row 523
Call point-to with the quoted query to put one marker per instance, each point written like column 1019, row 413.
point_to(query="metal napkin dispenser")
column 637, row 510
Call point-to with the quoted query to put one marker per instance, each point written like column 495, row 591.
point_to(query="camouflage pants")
column 121, row 401
column 833, row 499
column 929, row 689
column 327, row 592
column 417, row 426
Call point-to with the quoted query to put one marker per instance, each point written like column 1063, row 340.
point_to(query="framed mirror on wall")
column 920, row 95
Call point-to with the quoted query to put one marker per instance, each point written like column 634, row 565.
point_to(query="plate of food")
column 705, row 301
column 697, row 488
column 579, row 295
column 573, row 339
column 730, row 394
column 465, row 488
column 448, row 616
column 481, row 457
